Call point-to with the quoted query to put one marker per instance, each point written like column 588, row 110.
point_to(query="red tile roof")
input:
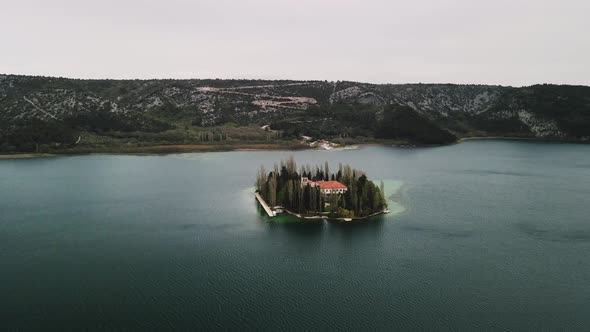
column 330, row 185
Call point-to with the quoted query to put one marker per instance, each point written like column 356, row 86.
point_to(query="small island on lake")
column 314, row 192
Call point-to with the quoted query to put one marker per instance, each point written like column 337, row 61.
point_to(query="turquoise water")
column 483, row 235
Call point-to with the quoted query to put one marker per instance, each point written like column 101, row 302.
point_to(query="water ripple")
column 569, row 236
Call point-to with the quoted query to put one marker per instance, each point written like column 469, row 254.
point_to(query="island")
column 314, row 192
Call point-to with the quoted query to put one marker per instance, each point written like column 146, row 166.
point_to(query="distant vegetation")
column 568, row 105
column 36, row 135
column 44, row 114
column 402, row 122
column 283, row 186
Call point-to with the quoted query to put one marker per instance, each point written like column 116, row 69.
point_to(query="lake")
column 483, row 235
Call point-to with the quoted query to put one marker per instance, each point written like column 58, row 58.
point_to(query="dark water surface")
column 488, row 235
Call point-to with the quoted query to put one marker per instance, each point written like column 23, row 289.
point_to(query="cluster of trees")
column 35, row 136
column 282, row 186
column 212, row 136
column 402, row 122
column 104, row 120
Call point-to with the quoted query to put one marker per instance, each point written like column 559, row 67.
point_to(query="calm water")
column 489, row 235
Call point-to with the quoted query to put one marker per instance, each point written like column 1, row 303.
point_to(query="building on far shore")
column 326, row 187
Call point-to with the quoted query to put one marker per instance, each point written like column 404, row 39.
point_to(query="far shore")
column 197, row 148
column 516, row 138
column 161, row 150
column 26, row 155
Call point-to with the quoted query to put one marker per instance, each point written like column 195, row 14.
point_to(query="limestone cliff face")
column 156, row 105
column 434, row 99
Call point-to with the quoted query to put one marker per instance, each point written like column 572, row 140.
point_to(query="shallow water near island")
column 483, row 235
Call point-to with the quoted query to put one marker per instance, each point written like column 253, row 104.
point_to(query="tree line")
column 282, row 186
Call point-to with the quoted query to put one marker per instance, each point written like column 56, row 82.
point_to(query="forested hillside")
column 45, row 114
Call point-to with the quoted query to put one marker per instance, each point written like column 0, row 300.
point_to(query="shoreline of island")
column 157, row 150
column 339, row 219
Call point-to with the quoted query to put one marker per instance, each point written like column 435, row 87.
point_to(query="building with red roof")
column 326, row 187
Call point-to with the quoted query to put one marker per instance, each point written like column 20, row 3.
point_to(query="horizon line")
column 282, row 79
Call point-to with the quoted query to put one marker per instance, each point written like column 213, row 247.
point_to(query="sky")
column 516, row 42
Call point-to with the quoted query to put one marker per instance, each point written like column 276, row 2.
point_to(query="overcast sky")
column 508, row 42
